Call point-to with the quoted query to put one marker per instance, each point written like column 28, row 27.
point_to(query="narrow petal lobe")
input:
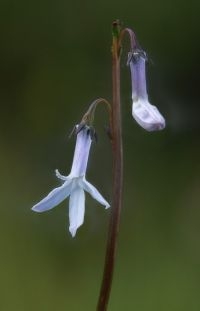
column 76, row 209
column 55, row 197
column 94, row 193
column 59, row 176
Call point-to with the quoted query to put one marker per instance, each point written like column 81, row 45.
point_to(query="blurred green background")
column 54, row 60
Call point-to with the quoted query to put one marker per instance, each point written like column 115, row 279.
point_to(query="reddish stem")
column 117, row 180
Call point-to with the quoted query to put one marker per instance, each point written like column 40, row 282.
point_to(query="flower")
column 146, row 115
column 74, row 185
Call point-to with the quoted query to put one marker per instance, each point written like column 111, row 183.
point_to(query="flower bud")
column 146, row 115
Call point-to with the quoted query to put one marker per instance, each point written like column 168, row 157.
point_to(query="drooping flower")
column 74, row 185
column 146, row 115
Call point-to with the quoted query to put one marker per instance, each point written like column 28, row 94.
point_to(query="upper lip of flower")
column 74, row 186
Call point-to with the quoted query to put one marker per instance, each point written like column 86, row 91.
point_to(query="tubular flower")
column 146, row 115
column 74, row 185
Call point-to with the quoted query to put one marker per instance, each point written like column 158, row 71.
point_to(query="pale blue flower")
column 74, row 185
column 146, row 115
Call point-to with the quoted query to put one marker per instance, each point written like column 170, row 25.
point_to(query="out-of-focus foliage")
column 54, row 60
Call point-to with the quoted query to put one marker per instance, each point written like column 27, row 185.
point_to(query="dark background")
column 54, row 61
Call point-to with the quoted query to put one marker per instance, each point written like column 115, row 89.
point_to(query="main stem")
column 117, row 177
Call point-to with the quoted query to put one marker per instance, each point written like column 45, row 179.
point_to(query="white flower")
column 143, row 112
column 74, row 185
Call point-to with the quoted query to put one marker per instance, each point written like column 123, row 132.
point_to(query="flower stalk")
column 117, row 174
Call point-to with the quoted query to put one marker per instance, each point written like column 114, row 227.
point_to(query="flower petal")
column 81, row 153
column 76, row 209
column 59, row 176
column 94, row 193
column 147, row 115
column 55, row 197
column 138, row 75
